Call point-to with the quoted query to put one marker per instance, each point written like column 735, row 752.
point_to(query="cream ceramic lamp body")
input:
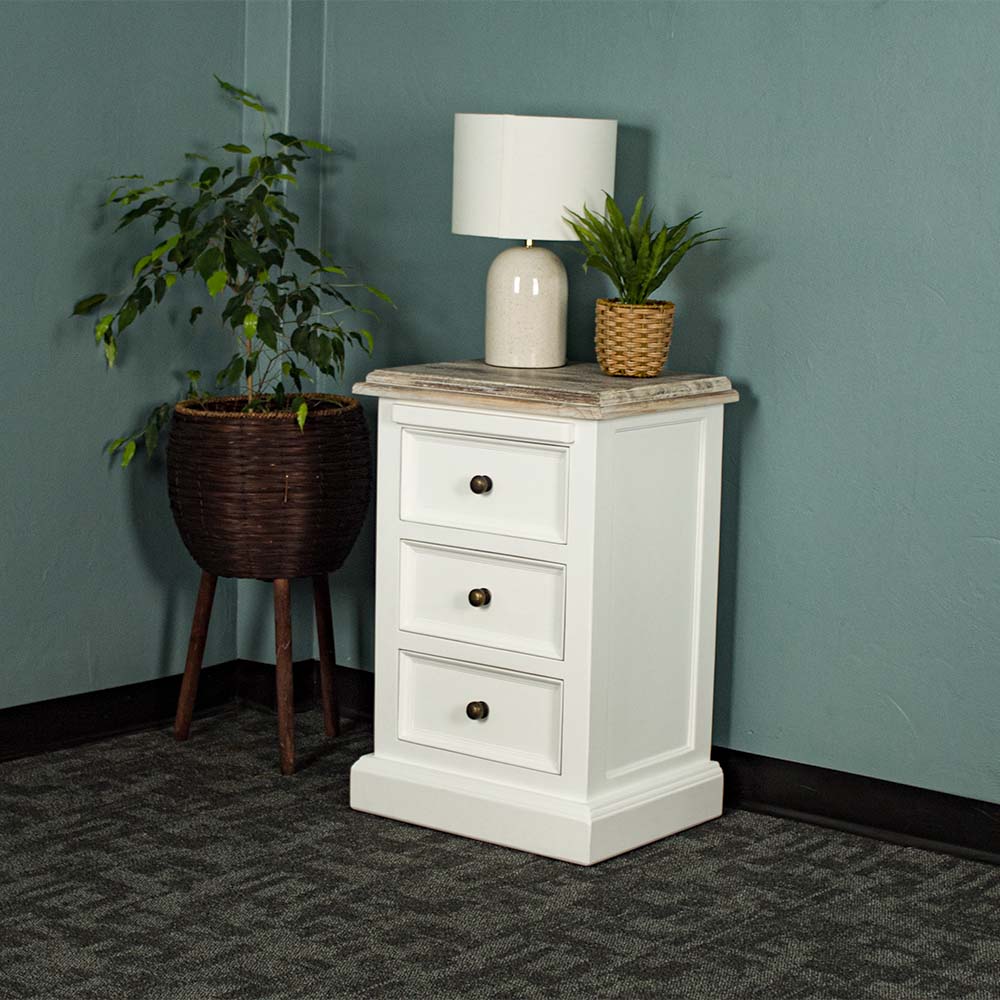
column 526, row 294
column 514, row 178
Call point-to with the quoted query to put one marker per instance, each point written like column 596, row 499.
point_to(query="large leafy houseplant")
column 632, row 332
column 285, row 306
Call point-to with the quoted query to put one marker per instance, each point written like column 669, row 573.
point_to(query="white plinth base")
column 580, row 832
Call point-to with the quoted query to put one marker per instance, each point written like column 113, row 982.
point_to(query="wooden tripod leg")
column 283, row 674
column 327, row 654
column 195, row 654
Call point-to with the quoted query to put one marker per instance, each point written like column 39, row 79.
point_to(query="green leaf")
column 266, row 333
column 146, row 208
column 235, row 91
column 313, row 144
column 301, row 412
column 140, row 264
column 127, row 314
column 216, row 283
column 209, row 176
column 254, row 105
column 237, row 185
column 165, row 247
column 319, row 348
column 115, row 445
column 110, row 351
column 154, row 423
column 84, row 306
column 193, row 374
column 102, row 326
column 309, row 257
column 300, row 340
column 237, row 147
column 247, row 255
column 208, row 262
column 250, row 325
column 231, row 372
column 286, row 140
column 170, row 279
column 333, row 269
column 379, row 295
column 128, row 454
column 634, row 223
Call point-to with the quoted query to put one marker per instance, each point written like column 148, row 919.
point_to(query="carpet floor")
column 142, row 869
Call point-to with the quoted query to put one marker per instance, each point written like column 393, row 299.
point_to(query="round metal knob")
column 477, row 710
column 480, row 484
column 480, row 597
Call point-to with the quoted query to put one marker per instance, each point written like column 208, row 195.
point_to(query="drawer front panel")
column 527, row 497
column 483, row 598
column 523, row 713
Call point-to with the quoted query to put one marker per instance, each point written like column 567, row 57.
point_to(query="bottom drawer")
column 520, row 719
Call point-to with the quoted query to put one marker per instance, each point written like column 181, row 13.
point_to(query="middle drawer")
column 482, row 597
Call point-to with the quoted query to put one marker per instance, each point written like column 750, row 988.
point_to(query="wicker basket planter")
column 633, row 340
column 255, row 497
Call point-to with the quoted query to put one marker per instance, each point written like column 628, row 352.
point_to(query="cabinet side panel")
column 656, row 527
column 386, row 578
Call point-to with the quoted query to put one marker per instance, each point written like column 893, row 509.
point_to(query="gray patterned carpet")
column 137, row 868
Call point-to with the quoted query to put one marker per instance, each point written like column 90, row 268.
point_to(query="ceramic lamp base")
column 526, row 291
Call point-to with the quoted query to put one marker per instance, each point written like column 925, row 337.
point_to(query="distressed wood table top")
column 579, row 390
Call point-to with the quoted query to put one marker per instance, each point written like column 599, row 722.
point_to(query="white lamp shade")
column 516, row 175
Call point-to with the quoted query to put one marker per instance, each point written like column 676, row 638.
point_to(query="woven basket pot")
column 633, row 340
column 255, row 497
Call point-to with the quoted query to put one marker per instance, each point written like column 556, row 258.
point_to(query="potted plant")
column 632, row 332
column 273, row 482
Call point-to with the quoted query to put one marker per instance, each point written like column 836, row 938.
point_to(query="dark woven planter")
column 255, row 497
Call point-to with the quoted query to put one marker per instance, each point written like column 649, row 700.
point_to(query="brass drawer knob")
column 477, row 710
column 480, row 484
column 480, row 597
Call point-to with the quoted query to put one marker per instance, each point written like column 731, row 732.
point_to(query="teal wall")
column 96, row 589
column 852, row 151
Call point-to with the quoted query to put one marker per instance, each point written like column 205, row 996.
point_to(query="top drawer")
column 497, row 485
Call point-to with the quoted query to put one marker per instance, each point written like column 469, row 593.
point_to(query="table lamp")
column 515, row 176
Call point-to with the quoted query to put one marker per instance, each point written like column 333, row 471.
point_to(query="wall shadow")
column 699, row 344
column 631, row 181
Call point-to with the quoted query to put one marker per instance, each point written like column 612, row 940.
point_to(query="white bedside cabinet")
column 547, row 563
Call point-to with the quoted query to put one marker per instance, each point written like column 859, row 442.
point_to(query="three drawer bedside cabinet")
column 547, row 568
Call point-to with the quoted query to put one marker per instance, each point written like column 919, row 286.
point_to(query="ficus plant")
column 628, row 252
column 285, row 306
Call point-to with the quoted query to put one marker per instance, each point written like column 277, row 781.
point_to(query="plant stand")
column 283, row 662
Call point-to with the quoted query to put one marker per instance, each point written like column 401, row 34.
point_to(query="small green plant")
column 231, row 228
column 628, row 253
